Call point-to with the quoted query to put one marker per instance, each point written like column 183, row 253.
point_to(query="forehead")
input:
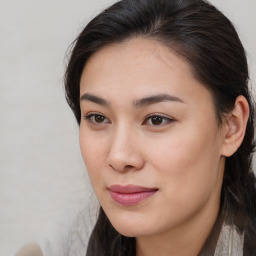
column 136, row 54
column 138, row 67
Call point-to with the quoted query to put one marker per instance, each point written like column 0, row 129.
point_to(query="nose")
column 125, row 151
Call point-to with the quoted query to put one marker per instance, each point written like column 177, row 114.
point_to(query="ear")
column 235, row 127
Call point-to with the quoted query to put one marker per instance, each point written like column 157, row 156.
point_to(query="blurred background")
column 45, row 196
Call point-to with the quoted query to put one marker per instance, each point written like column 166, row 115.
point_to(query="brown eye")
column 96, row 119
column 99, row 119
column 156, row 120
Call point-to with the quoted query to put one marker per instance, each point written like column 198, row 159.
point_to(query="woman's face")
column 149, row 138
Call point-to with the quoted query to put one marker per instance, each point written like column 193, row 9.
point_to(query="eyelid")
column 89, row 115
column 167, row 118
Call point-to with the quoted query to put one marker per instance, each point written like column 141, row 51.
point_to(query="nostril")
column 121, row 168
column 122, row 161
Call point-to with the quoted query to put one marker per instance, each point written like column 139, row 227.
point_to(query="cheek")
column 183, row 151
column 187, row 163
column 93, row 152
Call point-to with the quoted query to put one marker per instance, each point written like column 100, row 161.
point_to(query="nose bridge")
column 124, row 150
column 122, row 141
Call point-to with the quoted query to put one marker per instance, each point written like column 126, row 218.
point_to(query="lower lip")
column 131, row 198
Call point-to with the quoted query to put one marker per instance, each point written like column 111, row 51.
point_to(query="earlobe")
column 235, row 126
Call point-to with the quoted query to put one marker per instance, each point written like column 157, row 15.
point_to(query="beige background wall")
column 42, row 177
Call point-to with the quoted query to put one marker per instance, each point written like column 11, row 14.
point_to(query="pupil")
column 156, row 120
column 99, row 119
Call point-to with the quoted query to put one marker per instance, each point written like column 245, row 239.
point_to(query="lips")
column 131, row 194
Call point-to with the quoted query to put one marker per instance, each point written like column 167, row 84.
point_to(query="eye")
column 96, row 118
column 157, row 120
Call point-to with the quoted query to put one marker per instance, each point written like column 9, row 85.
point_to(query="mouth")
column 130, row 194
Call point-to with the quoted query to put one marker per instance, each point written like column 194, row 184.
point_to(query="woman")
column 159, row 89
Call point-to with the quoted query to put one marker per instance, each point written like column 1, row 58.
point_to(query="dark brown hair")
column 209, row 42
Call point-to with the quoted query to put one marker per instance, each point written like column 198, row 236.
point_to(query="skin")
column 182, row 155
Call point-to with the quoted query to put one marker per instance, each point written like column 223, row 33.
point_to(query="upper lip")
column 129, row 189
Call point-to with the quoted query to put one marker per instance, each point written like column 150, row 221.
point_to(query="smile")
column 131, row 194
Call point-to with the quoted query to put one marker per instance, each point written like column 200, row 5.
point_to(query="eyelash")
column 90, row 117
column 164, row 120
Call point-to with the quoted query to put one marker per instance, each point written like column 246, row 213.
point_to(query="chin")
column 131, row 232
column 131, row 227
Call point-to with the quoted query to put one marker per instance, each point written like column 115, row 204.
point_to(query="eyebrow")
column 137, row 103
column 156, row 99
column 95, row 99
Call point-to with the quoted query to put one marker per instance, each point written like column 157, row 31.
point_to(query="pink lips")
column 131, row 194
